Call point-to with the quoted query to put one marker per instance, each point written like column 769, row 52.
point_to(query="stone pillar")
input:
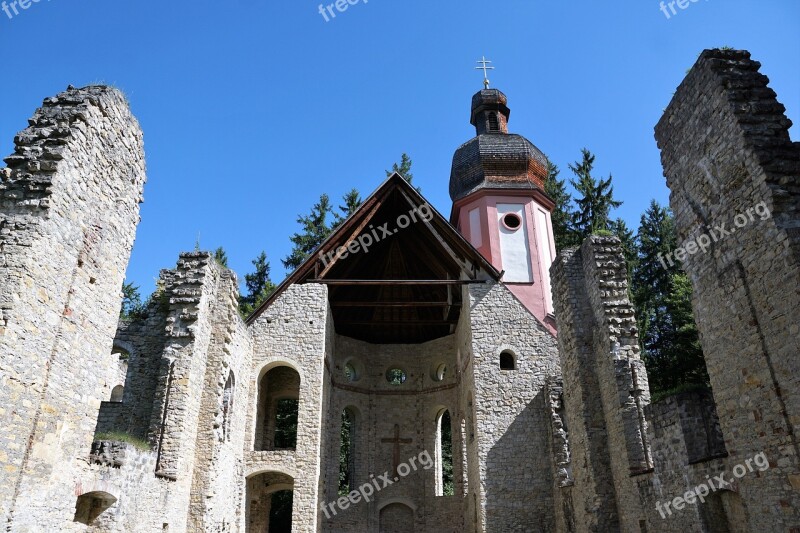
column 605, row 384
column 69, row 206
column 190, row 293
column 735, row 190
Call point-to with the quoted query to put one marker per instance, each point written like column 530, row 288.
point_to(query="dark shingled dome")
column 495, row 158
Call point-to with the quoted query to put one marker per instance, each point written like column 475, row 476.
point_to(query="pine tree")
column 620, row 229
column 259, row 286
column 352, row 200
column 662, row 298
column 596, row 198
column 404, row 169
column 315, row 229
column 221, row 257
column 562, row 212
column 132, row 305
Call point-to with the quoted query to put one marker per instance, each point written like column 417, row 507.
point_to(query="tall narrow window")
column 286, row 424
column 494, row 125
column 227, row 406
column 444, row 455
column 346, row 452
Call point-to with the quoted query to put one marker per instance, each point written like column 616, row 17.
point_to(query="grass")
column 121, row 436
column 686, row 387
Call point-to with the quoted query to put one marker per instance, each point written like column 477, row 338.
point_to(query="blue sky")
column 252, row 108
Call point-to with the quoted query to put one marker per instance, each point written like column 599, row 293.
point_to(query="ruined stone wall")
column 687, row 447
column 292, row 332
column 69, row 205
column 511, row 417
column 143, row 338
column 217, row 491
column 203, row 341
column 414, row 406
column 605, row 383
column 734, row 177
column 561, row 456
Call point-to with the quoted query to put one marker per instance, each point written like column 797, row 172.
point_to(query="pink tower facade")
column 499, row 205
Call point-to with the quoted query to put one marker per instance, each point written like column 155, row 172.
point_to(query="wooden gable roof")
column 394, row 269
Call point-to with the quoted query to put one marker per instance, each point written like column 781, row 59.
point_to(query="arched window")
column 444, row 455
column 227, row 406
column 116, row 393
column 507, row 361
column 91, row 505
column 278, row 409
column 347, row 451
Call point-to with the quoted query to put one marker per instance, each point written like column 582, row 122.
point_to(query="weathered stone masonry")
column 566, row 443
column 726, row 148
column 69, row 205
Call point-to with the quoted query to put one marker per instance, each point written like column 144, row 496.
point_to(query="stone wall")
column 69, row 205
column 605, row 385
column 513, row 472
column 734, row 176
column 687, row 447
column 292, row 332
column 415, row 407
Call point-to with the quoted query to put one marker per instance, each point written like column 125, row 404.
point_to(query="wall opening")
column 280, row 512
column 507, row 361
column 444, row 454
column 347, row 451
column 227, row 406
column 270, row 501
column 116, row 393
column 494, row 123
column 278, row 410
column 91, row 505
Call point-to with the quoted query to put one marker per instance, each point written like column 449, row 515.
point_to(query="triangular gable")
column 410, row 241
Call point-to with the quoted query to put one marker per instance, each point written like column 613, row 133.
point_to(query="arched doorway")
column 397, row 518
column 269, row 503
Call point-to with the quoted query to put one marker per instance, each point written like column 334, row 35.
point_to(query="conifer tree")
column 596, row 198
column 221, row 257
column 352, row 200
column 620, row 229
column 316, row 226
column 259, row 285
column 562, row 212
column 403, row 168
column 662, row 298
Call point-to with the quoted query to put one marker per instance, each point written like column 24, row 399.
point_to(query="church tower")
column 499, row 204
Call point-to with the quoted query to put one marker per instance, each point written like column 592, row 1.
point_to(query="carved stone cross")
column 397, row 441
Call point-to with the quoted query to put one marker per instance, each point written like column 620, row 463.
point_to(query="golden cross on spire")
column 484, row 67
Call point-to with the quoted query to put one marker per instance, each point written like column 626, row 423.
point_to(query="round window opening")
column 350, row 372
column 440, row 372
column 512, row 221
column 395, row 376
